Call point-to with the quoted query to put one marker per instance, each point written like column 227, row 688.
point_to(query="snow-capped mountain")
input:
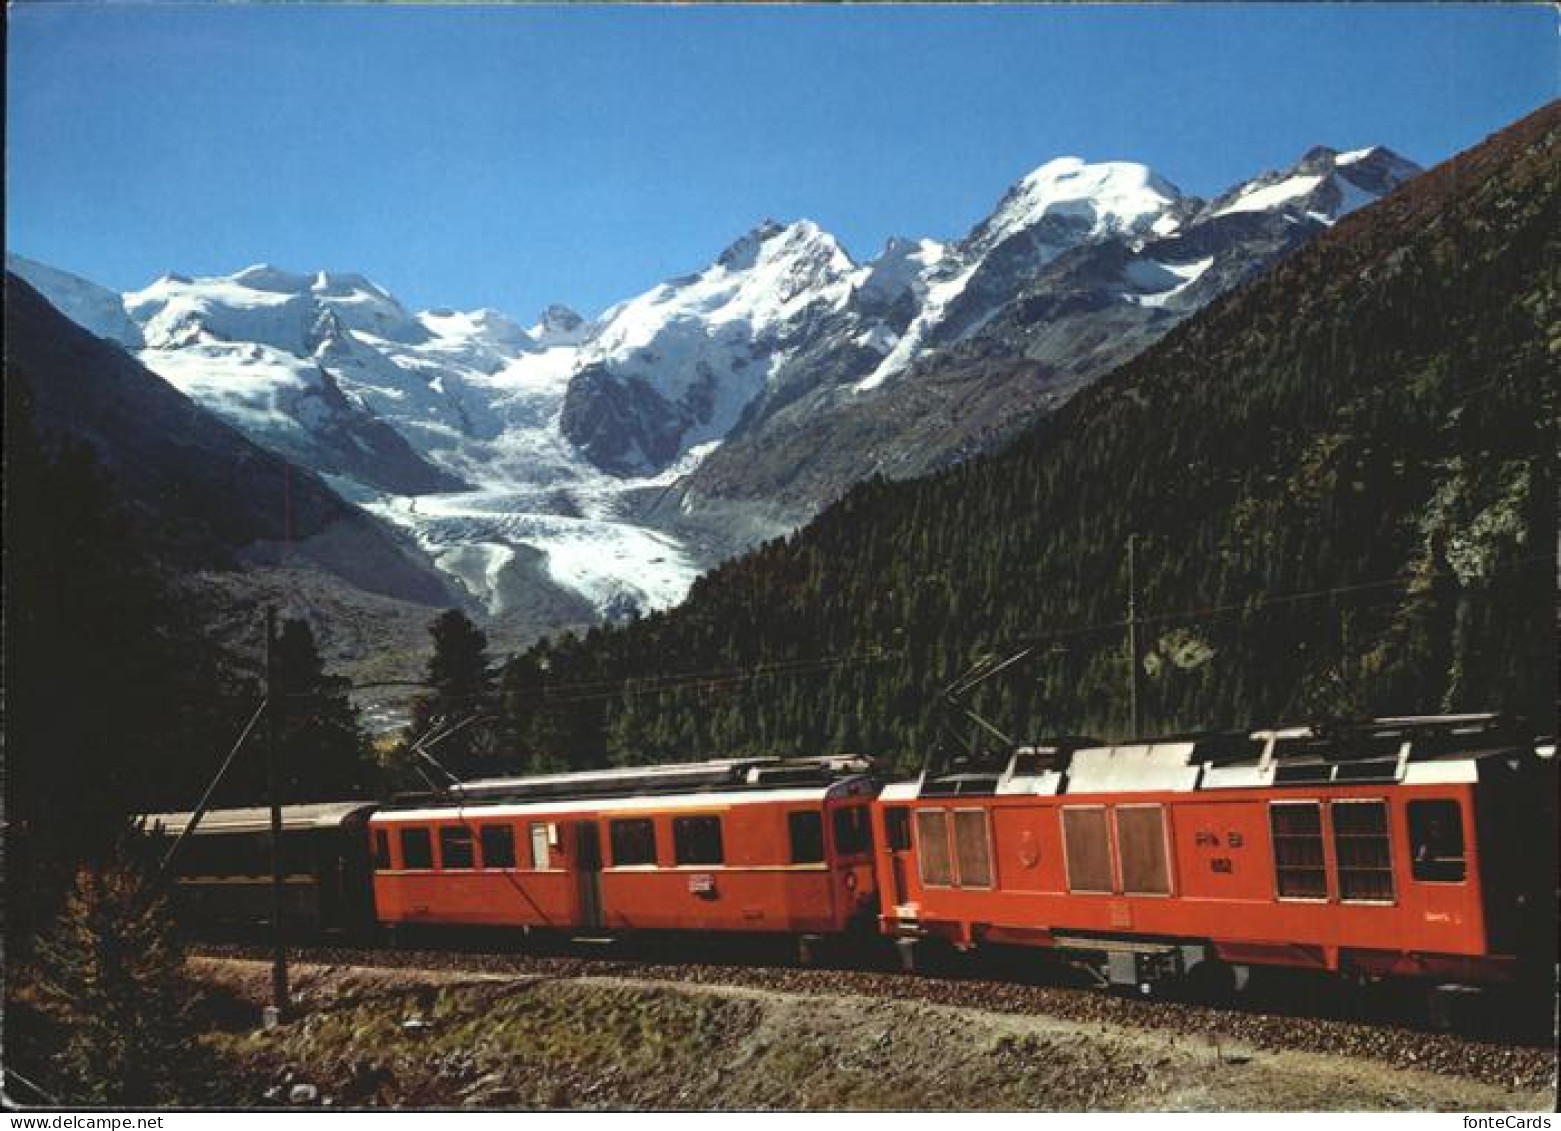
column 197, row 491
column 444, row 423
column 1323, row 186
column 1064, row 204
column 1079, row 267
column 576, row 468
column 676, row 366
column 786, row 309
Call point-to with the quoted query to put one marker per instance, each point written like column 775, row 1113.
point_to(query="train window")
column 932, row 847
column 1297, row 829
column 541, row 857
column 1436, row 841
column 1362, row 850
column 633, row 841
column 498, row 846
column 897, row 823
column 1141, row 846
column 217, row 856
column 1086, row 842
column 381, row 849
column 697, row 840
column 807, row 836
column 455, row 847
column 972, row 848
column 853, row 834
column 417, row 849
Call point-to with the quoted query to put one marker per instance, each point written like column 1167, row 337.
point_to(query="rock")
column 303, row 1094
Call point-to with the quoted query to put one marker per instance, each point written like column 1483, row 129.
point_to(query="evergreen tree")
column 530, row 735
column 113, row 979
column 112, row 698
column 463, row 697
column 324, row 752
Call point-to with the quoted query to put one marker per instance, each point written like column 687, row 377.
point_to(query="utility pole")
column 279, row 1005
column 1135, row 691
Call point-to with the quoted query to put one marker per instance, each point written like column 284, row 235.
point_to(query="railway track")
column 1512, row 1051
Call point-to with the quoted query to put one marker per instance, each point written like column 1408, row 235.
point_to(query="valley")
column 576, row 472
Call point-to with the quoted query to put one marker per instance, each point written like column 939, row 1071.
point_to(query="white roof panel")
column 1132, row 768
column 321, row 816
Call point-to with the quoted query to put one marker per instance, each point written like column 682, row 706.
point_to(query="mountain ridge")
column 622, row 454
column 1342, row 481
column 210, row 497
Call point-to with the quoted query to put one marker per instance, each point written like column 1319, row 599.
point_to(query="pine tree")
column 112, row 696
column 463, row 696
column 113, row 979
column 325, row 754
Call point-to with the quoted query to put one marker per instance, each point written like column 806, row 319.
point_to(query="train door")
column 897, row 830
column 588, row 872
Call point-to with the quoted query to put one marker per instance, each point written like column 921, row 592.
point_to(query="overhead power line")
column 721, row 679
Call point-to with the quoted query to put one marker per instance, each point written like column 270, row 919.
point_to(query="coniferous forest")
column 1341, row 480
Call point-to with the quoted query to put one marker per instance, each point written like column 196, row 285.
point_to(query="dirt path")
column 403, row 1036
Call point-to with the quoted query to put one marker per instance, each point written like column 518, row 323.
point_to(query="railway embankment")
column 612, row 1036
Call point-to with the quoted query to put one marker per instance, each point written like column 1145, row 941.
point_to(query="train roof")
column 324, row 815
column 1406, row 749
column 725, row 775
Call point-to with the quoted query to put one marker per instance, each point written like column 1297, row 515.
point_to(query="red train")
column 757, row 845
column 1418, row 848
column 1409, row 847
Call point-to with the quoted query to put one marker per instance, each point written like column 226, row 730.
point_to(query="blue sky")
column 512, row 157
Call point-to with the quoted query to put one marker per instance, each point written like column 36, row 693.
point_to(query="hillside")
column 202, row 495
column 1343, row 480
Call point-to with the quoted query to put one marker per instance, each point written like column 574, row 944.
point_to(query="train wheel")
column 1457, row 1009
column 930, row 956
column 1212, row 981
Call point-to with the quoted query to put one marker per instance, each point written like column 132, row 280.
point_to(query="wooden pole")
column 279, row 1003
column 1135, row 691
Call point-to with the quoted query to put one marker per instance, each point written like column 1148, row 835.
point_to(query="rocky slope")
column 206, row 495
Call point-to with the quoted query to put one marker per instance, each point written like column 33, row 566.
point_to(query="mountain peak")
column 1324, row 184
column 559, row 325
column 1093, row 199
column 744, row 252
column 265, row 277
column 559, row 318
column 337, row 284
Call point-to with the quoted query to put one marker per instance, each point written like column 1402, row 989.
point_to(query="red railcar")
column 758, row 845
column 1419, row 847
